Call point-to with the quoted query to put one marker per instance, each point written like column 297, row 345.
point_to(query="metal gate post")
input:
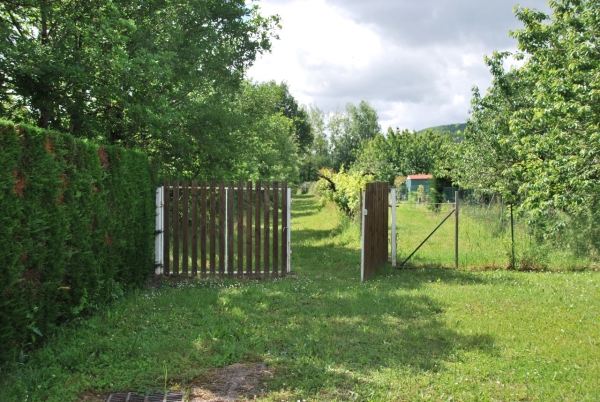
column 363, row 212
column 159, row 238
column 289, row 230
column 394, row 246
column 226, row 228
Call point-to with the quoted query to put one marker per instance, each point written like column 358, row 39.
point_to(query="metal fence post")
column 226, row 228
column 289, row 230
column 394, row 245
column 158, row 240
column 456, row 203
column 363, row 212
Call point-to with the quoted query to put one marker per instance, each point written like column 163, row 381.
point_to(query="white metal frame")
column 159, row 238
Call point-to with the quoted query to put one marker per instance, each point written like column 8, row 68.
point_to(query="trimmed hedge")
column 76, row 229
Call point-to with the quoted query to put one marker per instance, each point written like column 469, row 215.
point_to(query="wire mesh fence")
column 486, row 236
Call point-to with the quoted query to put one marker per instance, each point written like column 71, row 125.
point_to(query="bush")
column 344, row 189
column 76, row 228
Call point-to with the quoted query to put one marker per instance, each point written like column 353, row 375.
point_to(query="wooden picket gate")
column 214, row 229
column 374, row 228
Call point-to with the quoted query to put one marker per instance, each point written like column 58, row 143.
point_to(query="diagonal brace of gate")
column 427, row 238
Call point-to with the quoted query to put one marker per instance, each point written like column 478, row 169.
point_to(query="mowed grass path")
column 434, row 334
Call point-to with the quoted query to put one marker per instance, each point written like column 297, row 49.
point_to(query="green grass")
column 436, row 334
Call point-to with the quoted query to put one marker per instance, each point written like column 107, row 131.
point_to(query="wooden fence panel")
column 217, row 217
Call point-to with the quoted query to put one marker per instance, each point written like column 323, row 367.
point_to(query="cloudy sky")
column 414, row 61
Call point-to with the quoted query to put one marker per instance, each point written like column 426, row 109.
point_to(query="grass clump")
column 407, row 335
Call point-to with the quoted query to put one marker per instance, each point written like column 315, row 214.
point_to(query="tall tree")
column 538, row 127
column 127, row 72
column 348, row 130
column 402, row 152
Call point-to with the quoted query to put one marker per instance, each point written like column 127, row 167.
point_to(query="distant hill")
column 455, row 130
column 452, row 128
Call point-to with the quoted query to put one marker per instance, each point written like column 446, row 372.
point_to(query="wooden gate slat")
column 275, row 229
column 213, row 222
column 185, row 227
column 166, row 228
column 257, row 266
column 230, row 220
column 266, row 229
column 284, row 225
column 176, row 228
column 240, row 230
column 249, row 229
column 221, row 230
column 194, row 228
column 203, row 230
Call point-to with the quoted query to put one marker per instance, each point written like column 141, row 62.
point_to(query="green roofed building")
column 413, row 181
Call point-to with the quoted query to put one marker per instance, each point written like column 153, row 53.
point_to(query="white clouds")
column 415, row 61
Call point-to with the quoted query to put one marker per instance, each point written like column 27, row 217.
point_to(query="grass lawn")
column 436, row 334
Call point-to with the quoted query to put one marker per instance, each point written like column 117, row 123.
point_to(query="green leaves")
column 125, row 72
column 534, row 135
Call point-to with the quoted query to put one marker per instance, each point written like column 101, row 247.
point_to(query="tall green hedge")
column 76, row 229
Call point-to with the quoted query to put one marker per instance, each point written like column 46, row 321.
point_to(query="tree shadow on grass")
column 325, row 326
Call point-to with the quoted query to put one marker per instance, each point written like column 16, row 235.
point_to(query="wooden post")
column 203, row 230
column 222, row 229
column 257, row 213
column 194, row 228
column 249, row 229
column 456, row 203
column 230, row 220
column 212, row 229
column 240, row 230
column 185, row 227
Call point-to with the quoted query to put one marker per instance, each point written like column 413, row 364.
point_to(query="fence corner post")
column 158, row 240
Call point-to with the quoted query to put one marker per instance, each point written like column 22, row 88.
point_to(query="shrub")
column 76, row 228
column 344, row 189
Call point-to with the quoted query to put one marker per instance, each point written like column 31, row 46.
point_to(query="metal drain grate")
column 172, row 396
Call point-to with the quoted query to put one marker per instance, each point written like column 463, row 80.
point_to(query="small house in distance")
column 413, row 181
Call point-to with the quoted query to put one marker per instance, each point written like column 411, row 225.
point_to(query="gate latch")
column 365, row 212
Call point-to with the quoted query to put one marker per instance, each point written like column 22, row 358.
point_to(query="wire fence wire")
column 486, row 237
